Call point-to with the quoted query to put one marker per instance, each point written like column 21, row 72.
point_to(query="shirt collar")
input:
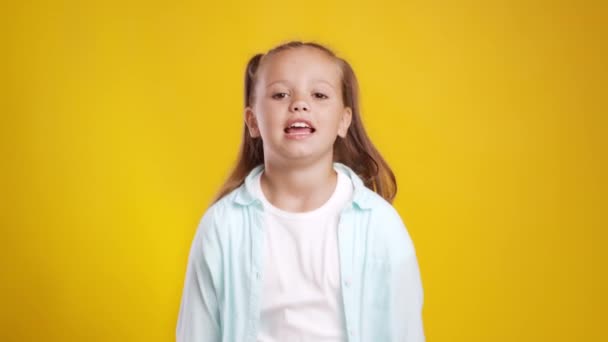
column 361, row 194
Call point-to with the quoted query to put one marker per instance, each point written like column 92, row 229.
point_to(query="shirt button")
column 347, row 282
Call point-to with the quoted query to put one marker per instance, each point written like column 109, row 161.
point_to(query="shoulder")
column 386, row 221
column 216, row 216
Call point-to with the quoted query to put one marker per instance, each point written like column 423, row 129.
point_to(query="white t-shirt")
column 301, row 299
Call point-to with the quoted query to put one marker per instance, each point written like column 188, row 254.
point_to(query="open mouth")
column 299, row 128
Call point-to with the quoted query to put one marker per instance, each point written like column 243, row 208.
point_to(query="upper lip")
column 292, row 121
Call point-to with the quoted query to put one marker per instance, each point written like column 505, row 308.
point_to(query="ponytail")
column 250, row 73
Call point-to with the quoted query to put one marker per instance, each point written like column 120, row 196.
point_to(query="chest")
column 347, row 250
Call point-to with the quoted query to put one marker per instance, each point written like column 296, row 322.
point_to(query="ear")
column 251, row 122
column 345, row 121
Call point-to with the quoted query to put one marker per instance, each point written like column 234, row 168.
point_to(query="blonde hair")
column 355, row 150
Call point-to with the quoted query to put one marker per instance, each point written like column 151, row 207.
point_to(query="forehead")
column 300, row 63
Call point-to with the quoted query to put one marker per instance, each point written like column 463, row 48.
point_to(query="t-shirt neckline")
column 304, row 214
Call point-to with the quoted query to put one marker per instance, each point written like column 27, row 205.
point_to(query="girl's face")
column 297, row 108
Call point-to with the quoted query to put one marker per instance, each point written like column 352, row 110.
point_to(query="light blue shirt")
column 381, row 285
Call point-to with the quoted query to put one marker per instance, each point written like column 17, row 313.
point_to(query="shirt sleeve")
column 406, row 290
column 407, row 299
column 199, row 318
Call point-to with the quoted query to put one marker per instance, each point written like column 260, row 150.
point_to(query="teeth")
column 299, row 124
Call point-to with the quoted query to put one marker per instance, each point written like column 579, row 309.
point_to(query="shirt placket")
column 345, row 243
column 256, row 269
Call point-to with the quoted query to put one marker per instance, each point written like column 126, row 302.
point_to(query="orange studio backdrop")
column 120, row 120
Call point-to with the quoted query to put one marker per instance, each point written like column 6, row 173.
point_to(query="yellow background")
column 120, row 119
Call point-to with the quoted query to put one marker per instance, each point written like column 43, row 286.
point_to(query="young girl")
column 302, row 243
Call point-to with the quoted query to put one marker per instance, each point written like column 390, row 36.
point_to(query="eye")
column 279, row 95
column 320, row 96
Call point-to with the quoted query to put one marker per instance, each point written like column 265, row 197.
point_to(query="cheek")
column 268, row 120
column 270, row 108
column 332, row 119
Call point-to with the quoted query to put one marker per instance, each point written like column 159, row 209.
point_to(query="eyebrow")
column 284, row 81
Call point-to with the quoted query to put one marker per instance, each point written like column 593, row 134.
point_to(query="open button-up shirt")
column 381, row 284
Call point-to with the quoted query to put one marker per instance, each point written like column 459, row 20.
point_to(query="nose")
column 298, row 106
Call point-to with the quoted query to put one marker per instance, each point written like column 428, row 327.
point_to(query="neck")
column 298, row 188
